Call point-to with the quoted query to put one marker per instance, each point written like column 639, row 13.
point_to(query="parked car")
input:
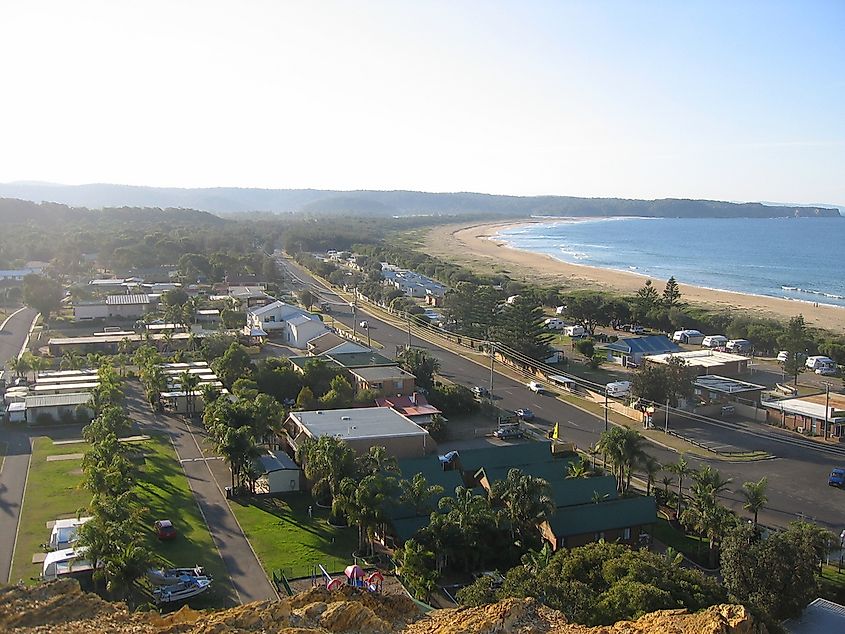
column 164, row 529
column 837, row 478
column 783, row 355
column 534, row 387
column 480, row 392
column 728, row 410
column 510, row 431
column 636, row 330
column 827, row 371
column 524, row 413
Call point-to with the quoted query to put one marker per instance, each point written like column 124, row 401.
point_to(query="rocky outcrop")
column 61, row 608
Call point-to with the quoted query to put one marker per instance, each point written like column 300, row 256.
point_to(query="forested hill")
column 54, row 215
column 389, row 203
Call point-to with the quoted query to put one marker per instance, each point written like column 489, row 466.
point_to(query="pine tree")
column 671, row 293
column 646, row 299
column 520, row 327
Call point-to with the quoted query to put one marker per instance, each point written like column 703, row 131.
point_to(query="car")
column 636, row 330
column 728, row 410
column 480, row 392
column 364, row 324
column 534, row 387
column 826, row 371
column 524, row 413
column 164, row 529
column 509, row 431
column 837, row 478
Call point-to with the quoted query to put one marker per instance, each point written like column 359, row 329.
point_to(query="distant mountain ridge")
column 389, row 203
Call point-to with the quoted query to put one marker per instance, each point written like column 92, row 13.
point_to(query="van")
column 738, row 345
column 618, row 389
column 814, row 363
column 688, row 336
column 712, row 341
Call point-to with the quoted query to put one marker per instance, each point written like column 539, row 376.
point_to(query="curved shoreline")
column 476, row 246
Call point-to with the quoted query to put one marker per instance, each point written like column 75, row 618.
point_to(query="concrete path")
column 249, row 581
column 16, row 463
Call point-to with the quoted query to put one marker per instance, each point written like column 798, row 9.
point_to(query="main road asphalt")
column 15, row 443
column 797, row 475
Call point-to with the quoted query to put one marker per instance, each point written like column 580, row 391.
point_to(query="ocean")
column 791, row 258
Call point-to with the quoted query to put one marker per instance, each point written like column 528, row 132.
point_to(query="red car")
column 164, row 529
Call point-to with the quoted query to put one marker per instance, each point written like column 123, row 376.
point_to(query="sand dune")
column 475, row 246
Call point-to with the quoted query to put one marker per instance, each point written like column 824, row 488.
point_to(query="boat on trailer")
column 187, row 588
column 172, row 576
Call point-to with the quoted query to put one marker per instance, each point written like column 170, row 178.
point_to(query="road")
column 15, row 465
column 249, row 581
column 797, row 476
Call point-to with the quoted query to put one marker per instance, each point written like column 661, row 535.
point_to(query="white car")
column 534, row 387
column 364, row 324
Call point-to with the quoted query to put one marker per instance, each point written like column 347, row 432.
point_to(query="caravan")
column 65, row 533
column 739, row 346
column 714, row 341
column 819, row 362
column 63, row 563
column 688, row 336
column 618, row 389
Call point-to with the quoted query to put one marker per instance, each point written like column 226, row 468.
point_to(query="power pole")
column 354, row 311
column 492, row 363
column 666, row 428
column 605, row 409
column 826, row 409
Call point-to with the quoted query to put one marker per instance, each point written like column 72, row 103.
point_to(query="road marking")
column 6, row 321
column 184, row 460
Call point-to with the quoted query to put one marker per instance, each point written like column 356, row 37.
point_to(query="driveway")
column 249, row 581
column 15, row 441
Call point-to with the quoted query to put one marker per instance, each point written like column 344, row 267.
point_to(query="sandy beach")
column 475, row 246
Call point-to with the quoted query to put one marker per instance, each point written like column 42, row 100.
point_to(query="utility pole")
column 605, row 409
column 354, row 311
column 826, row 409
column 492, row 363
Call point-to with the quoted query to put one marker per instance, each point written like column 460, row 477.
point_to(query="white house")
column 281, row 473
column 295, row 326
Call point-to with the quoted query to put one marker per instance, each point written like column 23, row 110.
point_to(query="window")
column 397, row 385
column 626, row 534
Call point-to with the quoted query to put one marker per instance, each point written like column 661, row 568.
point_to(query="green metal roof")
column 585, row 519
column 301, row 362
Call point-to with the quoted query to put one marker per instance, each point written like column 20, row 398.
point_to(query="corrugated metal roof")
column 57, row 400
column 125, row 300
column 820, row 617
column 358, row 423
column 585, row 519
column 653, row 344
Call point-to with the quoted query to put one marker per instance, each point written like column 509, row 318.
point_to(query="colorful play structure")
column 355, row 577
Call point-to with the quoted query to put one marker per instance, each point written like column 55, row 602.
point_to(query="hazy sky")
column 732, row 100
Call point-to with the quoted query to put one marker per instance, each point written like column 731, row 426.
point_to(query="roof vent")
column 345, row 418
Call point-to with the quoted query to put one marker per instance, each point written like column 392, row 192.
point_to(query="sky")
column 739, row 101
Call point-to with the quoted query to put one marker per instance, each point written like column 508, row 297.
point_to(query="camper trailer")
column 63, row 563
column 618, row 389
column 65, row 533
column 818, row 362
column 574, row 331
column 553, row 323
column 714, row 341
column 738, row 346
column 688, row 336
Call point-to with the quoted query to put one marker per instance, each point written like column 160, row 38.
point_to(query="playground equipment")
column 356, row 577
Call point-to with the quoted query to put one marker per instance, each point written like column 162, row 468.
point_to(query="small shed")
column 16, row 412
column 281, row 473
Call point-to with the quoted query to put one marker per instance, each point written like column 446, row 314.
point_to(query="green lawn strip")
column 163, row 490
column 285, row 538
column 832, row 583
column 53, row 491
column 691, row 546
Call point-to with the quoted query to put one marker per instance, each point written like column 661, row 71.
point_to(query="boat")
column 187, row 588
column 171, row 576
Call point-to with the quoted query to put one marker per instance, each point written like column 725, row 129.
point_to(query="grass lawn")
column 832, row 583
column 689, row 545
column 54, row 491
column 285, row 538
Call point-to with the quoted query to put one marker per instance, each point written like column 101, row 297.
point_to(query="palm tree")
column 681, row 469
column 377, row 460
column 465, row 508
column 125, row 566
column 71, row 361
column 527, row 502
column 364, row 503
column 326, row 461
column 189, row 382
column 623, row 448
column 667, row 482
column 651, row 467
column 705, row 514
column 755, row 496
column 20, row 366
column 417, row 493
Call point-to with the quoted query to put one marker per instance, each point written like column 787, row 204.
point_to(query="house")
column 293, row 325
column 331, row 342
column 703, row 362
column 249, row 296
column 412, row 284
column 12, row 276
column 587, row 509
column 208, row 316
column 633, row 349
column 816, row 415
column 125, row 306
column 361, row 428
column 390, row 379
column 280, row 473
column 415, row 407
column 721, row 390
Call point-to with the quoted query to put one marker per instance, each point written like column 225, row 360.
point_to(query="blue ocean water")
column 793, row 258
